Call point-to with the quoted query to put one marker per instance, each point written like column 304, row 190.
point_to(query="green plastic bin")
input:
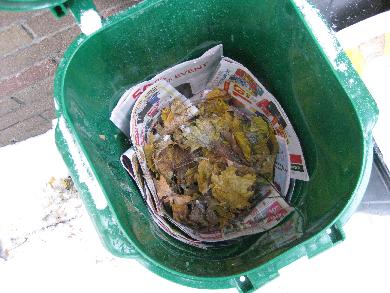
column 330, row 108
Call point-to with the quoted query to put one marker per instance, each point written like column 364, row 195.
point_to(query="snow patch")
column 56, row 106
column 82, row 167
column 90, row 22
column 364, row 30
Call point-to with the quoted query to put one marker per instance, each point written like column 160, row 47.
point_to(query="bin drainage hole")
column 242, row 279
column 328, row 231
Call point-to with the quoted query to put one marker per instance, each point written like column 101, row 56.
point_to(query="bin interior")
column 269, row 38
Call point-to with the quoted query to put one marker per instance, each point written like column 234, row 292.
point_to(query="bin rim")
column 28, row 5
column 276, row 263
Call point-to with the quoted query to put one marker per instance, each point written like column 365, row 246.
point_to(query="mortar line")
column 28, row 30
column 25, row 69
column 21, row 20
column 20, row 102
column 37, row 41
column 13, row 124
column 22, row 89
column 40, row 115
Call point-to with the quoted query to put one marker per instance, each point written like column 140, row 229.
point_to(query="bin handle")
column 86, row 15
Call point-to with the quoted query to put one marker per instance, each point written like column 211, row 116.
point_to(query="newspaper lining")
column 144, row 103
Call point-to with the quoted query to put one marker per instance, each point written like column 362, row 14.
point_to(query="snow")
column 365, row 30
column 82, row 167
column 376, row 77
column 322, row 33
column 359, row 264
column 90, row 21
column 25, row 169
column 51, row 245
column 46, row 236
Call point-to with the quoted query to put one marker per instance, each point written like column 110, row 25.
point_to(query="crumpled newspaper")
column 239, row 82
column 265, row 215
column 251, row 98
column 191, row 76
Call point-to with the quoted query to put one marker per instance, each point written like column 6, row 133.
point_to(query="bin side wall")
column 271, row 40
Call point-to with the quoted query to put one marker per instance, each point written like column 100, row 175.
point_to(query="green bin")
column 327, row 103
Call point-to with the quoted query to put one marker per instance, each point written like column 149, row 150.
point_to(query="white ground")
column 51, row 246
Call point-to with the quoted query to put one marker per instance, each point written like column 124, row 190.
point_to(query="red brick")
column 25, row 112
column 36, row 99
column 47, row 23
column 39, row 91
column 24, row 129
column 49, row 115
column 105, row 4
column 31, row 75
column 117, row 8
column 7, row 18
column 7, row 105
column 52, row 47
column 13, row 38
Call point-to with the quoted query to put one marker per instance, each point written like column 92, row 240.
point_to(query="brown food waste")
column 207, row 170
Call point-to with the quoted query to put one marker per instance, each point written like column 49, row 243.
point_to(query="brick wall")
column 31, row 46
